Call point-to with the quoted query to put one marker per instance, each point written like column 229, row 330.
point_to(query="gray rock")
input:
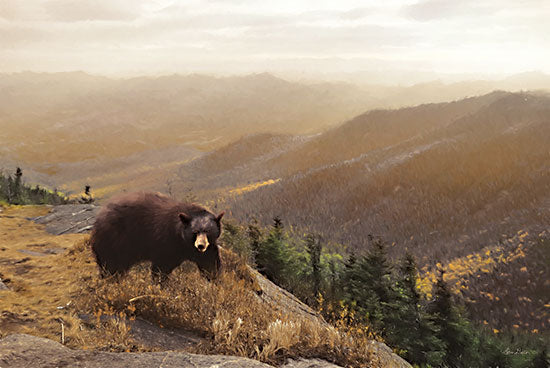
column 43, row 253
column 69, row 218
column 23, row 351
column 309, row 363
column 3, row 286
column 283, row 300
column 388, row 357
column 152, row 336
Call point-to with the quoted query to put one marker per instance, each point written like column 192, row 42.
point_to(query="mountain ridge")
column 461, row 155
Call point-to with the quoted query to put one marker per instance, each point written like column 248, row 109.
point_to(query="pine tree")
column 10, row 190
column 272, row 258
column 333, row 279
column 540, row 360
column 17, row 187
column 236, row 239
column 411, row 329
column 349, row 265
column 255, row 235
column 87, row 196
column 368, row 285
column 377, row 265
column 278, row 228
column 314, row 247
column 461, row 343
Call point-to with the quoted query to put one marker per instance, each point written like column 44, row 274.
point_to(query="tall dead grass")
column 227, row 313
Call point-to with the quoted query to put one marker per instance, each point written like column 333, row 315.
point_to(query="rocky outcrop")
column 23, row 351
column 70, row 218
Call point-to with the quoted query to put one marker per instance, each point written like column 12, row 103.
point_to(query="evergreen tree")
column 314, row 247
column 540, row 360
column 379, row 269
column 14, row 191
column 491, row 351
column 368, row 285
column 412, row 329
column 3, row 187
column 255, row 235
column 333, row 279
column 278, row 228
column 17, row 190
column 461, row 343
column 272, row 257
column 10, row 191
column 87, row 196
column 349, row 283
column 349, row 266
column 236, row 239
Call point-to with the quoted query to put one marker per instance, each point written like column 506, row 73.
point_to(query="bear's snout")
column 201, row 243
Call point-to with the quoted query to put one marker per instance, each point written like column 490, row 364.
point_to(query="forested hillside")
column 465, row 173
column 463, row 186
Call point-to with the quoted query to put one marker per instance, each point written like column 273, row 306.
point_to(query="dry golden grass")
column 50, row 295
column 42, row 287
column 227, row 313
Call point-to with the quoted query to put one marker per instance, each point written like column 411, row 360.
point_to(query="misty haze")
column 380, row 174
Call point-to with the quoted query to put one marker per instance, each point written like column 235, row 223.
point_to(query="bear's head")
column 203, row 228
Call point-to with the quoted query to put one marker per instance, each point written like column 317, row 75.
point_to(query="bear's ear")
column 185, row 218
column 219, row 217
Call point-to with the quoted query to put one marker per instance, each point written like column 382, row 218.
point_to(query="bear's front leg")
column 209, row 263
column 160, row 272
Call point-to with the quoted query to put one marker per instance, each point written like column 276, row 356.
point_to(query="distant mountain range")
column 71, row 129
column 67, row 127
column 456, row 176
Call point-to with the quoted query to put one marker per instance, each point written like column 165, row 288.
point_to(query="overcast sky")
column 127, row 37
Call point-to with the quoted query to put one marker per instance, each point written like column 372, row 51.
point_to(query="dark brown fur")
column 148, row 227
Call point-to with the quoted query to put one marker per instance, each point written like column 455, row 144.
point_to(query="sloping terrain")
column 257, row 156
column 53, row 291
column 453, row 176
column 443, row 181
column 235, row 165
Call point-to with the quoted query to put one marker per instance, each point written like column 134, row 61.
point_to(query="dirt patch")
column 40, row 278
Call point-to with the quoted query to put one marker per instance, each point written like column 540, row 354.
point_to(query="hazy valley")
column 71, row 129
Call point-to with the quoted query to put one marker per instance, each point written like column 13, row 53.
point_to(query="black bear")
column 151, row 227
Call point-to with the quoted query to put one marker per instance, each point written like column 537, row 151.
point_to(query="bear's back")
column 142, row 215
